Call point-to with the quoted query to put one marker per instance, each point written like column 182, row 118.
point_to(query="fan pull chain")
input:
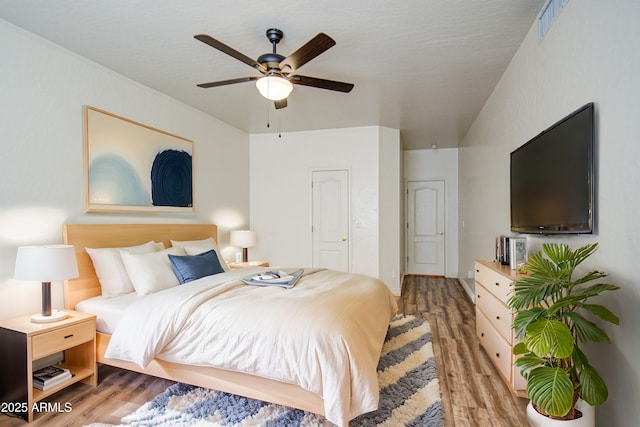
column 279, row 122
column 268, row 115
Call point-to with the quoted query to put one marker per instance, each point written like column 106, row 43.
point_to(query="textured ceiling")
column 425, row 67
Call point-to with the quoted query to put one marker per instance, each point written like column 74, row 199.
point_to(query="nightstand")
column 249, row 264
column 22, row 342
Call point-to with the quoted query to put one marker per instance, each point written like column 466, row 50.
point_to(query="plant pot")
column 588, row 418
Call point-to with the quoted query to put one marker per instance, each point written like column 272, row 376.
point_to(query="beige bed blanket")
column 325, row 334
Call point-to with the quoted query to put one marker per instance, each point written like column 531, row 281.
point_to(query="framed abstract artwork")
column 131, row 167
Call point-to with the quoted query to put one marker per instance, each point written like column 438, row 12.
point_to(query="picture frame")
column 132, row 167
column 518, row 252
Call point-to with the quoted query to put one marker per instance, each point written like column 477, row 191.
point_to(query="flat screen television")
column 552, row 178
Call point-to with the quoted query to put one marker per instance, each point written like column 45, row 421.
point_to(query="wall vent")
column 548, row 15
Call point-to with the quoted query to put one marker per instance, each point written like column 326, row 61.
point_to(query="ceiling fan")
column 277, row 79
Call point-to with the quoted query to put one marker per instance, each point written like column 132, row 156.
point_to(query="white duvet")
column 325, row 334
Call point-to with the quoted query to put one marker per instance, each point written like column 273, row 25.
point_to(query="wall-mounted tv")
column 553, row 178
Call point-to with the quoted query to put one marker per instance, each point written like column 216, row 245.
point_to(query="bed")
column 351, row 298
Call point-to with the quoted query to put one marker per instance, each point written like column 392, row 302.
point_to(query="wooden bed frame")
column 87, row 286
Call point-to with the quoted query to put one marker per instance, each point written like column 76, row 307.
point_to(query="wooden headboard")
column 118, row 235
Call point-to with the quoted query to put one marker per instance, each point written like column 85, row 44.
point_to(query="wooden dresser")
column 494, row 285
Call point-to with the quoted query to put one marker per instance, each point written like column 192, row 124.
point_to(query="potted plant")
column 551, row 326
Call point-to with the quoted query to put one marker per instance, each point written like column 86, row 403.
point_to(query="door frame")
column 406, row 221
column 349, row 228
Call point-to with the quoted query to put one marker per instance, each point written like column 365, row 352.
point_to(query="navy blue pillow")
column 192, row 267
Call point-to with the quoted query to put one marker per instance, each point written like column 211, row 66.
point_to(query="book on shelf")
column 274, row 278
column 50, row 376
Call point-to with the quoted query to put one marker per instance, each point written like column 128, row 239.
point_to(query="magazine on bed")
column 274, row 278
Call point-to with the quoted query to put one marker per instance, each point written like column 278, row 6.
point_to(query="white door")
column 425, row 228
column 330, row 219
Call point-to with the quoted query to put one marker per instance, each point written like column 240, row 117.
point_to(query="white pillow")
column 196, row 247
column 151, row 272
column 112, row 275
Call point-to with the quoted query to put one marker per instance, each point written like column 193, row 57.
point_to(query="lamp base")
column 55, row 316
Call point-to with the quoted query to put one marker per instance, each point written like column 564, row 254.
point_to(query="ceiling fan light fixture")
column 274, row 88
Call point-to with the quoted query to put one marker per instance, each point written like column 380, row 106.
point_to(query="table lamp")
column 46, row 264
column 244, row 239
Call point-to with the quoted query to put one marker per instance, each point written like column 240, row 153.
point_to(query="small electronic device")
column 502, row 250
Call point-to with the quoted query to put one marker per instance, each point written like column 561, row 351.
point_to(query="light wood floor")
column 472, row 392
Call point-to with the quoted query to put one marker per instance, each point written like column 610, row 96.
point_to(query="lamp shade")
column 243, row 238
column 46, row 263
column 274, row 88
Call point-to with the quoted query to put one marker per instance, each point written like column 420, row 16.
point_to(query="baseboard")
column 469, row 287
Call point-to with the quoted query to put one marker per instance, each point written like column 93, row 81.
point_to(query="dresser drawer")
column 61, row 339
column 497, row 348
column 519, row 383
column 499, row 285
column 498, row 314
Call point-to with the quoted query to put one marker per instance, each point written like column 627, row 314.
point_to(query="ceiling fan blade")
column 228, row 82
column 280, row 104
column 321, row 83
column 306, row 53
column 230, row 51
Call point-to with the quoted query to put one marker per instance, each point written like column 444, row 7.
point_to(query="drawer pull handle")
column 497, row 317
column 68, row 336
column 497, row 284
column 482, row 334
column 478, row 296
column 497, row 354
column 477, row 271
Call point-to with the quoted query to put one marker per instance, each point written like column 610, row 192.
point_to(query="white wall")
column 281, row 194
column 390, row 185
column 438, row 164
column 44, row 88
column 589, row 54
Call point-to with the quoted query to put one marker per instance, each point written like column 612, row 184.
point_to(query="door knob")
column 343, row 239
column 441, row 233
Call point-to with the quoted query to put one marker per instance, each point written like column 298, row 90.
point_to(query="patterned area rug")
column 409, row 394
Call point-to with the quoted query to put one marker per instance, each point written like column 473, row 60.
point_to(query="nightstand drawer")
column 61, row 339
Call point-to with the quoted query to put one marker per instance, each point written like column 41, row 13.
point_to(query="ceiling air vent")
column 548, row 15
